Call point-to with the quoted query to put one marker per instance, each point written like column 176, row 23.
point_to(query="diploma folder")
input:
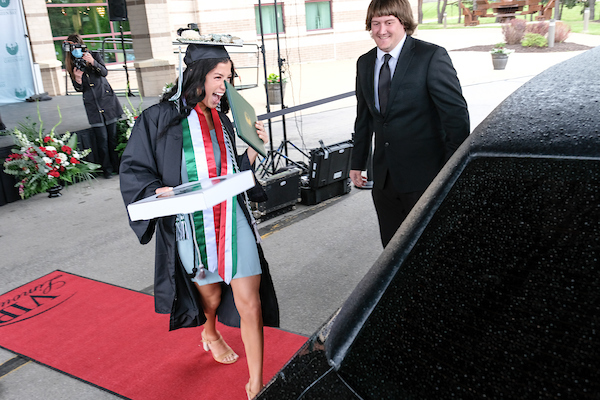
column 244, row 119
column 191, row 197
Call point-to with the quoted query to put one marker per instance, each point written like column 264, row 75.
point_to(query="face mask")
column 77, row 53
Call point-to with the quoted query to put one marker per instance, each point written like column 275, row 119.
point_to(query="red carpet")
column 112, row 338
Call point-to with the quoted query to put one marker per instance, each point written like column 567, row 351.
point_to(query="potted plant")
column 500, row 55
column 274, row 88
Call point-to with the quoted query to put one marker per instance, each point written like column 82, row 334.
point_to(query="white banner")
column 16, row 76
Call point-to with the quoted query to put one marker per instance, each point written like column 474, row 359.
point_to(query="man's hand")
column 357, row 178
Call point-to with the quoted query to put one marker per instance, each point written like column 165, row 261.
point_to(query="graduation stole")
column 215, row 229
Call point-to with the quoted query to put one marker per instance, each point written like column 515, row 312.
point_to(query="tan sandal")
column 220, row 358
column 250, row 394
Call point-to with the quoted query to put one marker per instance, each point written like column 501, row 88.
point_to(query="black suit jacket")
column 426, row 119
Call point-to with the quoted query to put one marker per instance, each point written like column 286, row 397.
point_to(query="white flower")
column 51, row 148
column 190, row 34
column 166, row 88
column 62, row 157
column 47, row 160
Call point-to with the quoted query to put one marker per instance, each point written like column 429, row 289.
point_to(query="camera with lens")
column 79, row 62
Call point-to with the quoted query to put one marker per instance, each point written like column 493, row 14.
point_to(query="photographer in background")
column 103, row 109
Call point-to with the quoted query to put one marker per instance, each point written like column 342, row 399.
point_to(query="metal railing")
column 246, row 48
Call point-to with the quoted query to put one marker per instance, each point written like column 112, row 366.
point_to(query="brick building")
column 309, row 31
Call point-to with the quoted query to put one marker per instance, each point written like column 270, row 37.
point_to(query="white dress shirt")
column 395, row 53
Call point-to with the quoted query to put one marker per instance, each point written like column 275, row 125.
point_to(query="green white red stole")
column 215, row 229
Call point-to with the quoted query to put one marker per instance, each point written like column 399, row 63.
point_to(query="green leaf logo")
column 12, row 48
column 21, row 93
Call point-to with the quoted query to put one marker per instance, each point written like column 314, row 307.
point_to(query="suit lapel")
column 370, row 78
column 404, row 59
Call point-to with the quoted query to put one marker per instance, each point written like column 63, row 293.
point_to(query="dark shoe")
column 108, row 176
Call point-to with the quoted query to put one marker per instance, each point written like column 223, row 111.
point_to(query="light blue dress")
column 248, row 262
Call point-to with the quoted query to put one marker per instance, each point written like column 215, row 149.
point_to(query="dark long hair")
column 194, row 78
column 76, row 39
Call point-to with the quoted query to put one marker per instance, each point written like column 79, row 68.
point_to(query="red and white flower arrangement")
column 124, row 126
column 47, row 161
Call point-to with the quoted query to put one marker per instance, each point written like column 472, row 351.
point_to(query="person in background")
column 409, row 95
column 213, row 255
column 101, row 104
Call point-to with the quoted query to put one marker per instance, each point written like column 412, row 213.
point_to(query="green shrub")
column 534, row 40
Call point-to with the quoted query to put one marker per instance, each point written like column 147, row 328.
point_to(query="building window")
column 318, row 15
column 91, row 21
column 268, row 18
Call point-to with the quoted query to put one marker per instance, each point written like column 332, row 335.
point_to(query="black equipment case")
column 329, row 164
column 283, row 190
column 311, row 197
column 328, row 173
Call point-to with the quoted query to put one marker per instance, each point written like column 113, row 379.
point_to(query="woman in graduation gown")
column 206, row 259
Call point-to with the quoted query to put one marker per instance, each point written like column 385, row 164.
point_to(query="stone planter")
column 499, row 60
column 274, row 92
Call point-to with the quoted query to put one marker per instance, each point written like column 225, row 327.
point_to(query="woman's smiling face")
column 214, row 85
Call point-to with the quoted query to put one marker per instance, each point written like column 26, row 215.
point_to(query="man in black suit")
column 415, row 107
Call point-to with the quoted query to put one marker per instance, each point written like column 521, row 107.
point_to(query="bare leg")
column 210, row 298
column 247, row 301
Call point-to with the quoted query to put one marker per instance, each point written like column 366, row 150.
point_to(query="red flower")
column 62, row 169
column 66, row 149
column 73, row 160
column 47, row 139
column 54, row 173
column 15, row 156
column 136, row 117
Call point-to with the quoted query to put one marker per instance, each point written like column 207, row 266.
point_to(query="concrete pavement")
column 317, row 254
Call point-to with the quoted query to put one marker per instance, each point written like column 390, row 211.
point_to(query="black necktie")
column 385, row 80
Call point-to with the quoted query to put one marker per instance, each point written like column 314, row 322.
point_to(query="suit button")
column 387, row 144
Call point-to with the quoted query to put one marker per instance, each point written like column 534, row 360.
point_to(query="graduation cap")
column 196, row 52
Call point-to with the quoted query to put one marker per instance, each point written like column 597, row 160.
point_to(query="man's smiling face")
column 387, row 31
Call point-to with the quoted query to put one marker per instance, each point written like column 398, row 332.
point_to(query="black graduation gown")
column 151, row 160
